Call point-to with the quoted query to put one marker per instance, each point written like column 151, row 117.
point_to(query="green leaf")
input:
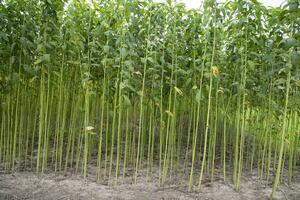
column 198, row 96
column 126, row 100
column 46, row 57
column 295, row 58
column 106, row 48
column 150, row 59
column 73, row 62
column 143, row 60
column 280, row 81
column 38, row 61
column 123, row 52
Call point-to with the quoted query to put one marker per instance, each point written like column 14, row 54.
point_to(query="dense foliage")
column 142, row 85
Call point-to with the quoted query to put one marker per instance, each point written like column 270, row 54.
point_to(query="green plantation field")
column 116, row 89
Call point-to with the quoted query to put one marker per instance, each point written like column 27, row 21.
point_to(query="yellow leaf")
column 141, row 93
column 138, row 73
column 90, row 130
column 178, row 91
column 92, row 133
column 215, row 71
column 162, row 125
column 247, row 92
column 298, row 83
column 221, row 91
column 169, row 113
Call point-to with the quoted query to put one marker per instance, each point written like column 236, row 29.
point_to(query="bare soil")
column 29, row 185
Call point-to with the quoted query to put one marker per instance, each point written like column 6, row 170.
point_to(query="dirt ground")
column 29, row 185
